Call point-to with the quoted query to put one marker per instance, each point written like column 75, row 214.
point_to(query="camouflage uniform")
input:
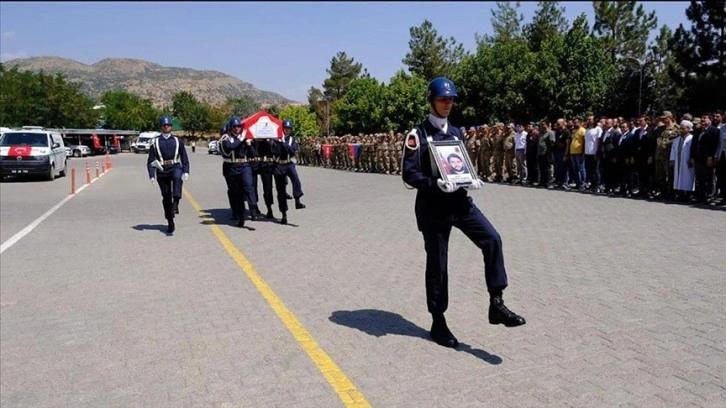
column 498, row 154
column 484, row 156
column 509, row 156
column 664, row 142
column 472, row 149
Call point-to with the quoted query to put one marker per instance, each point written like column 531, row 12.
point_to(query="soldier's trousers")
column 662, row 170
column 265, row 172
column 241, row 180
column 227, row 179
column 170, row 183
column 509, row 164
column 288, row 170
column 498, row 163
column 280, row 187
column 436, row 242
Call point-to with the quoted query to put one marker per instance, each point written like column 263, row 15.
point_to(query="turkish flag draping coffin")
column 327, row 150
column 262, row 125
column 353, row 150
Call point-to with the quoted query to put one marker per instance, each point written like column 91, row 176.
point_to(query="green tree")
column 667, row 93
column 360, row 109
column 193, row 115
column 701, row 52
column 431, row 55
column 124, row 110
column 404, row 103
column 28, row 98
column 506, row 22
column 243, row 106
column 549, row 22
column 303, row 120
column 588, row 72
column 624, row 28
column 342, row 72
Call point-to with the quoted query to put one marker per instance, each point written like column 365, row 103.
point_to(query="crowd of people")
column 658, row 157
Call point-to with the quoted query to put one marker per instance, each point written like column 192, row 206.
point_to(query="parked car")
column 213, row 148
column 32, row 150
column 111, row 149
column 78, row 150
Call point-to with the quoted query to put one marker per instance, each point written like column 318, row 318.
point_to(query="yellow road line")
column 345, row 389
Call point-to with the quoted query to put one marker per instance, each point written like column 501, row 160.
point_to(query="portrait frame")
column 447, row 156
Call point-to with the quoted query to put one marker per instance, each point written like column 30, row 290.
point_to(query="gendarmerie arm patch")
column 412, row 141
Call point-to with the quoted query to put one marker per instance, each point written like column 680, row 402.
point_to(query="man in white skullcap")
column 684, row 174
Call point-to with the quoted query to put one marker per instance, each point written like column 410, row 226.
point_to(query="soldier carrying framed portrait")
column 452, row 161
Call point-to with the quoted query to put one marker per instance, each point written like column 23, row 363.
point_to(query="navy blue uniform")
column 265, row 166
column 226, row 165
column 172, row 155
column 240, row 174
column 287, row 148
column 437, row 212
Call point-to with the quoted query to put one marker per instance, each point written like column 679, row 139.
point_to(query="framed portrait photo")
column 452, row 161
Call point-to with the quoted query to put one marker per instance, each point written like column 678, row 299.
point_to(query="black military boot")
column 254, row 213
column 441, row 334
column 299, row 205
column 176, row 206
column 288, row 196
column 269, row 214
column 170, row 226
column 500, row 314
column 284, row 218
column 241, row 222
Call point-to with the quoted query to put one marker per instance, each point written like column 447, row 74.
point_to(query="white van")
column 142, row 143
column 32, row 150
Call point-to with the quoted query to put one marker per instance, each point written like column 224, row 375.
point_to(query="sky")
column 283, row 47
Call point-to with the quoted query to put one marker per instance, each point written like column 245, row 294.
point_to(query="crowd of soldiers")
column 613, row 156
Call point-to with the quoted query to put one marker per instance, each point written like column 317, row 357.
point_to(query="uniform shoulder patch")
column 412, row 141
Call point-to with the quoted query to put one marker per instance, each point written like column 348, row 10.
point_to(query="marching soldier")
column 168, row 164
column 239, row 152
column 441, row 205
column 265, row 168
column 288, row 146
column 226, row 164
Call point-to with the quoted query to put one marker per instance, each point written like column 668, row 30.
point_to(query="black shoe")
column 269, row 215
column 441, row 334
column 283, row 220
column 499, row 314
column 176, row 207
column 288, row 196
column 170, row 227
column 241, row 222
column 299, row 205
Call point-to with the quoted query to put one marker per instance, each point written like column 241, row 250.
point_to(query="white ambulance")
column 32, row 151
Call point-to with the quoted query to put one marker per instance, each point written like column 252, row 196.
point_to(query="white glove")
column 476, row 185
column 185, row 176
column 153, row 181
column 249, row 142
column 446, row 186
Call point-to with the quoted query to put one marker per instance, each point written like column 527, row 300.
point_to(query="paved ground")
column 624, row 299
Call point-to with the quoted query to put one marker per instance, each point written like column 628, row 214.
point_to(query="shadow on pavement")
column 223, row 216
column 150, row 227
column 380, row 323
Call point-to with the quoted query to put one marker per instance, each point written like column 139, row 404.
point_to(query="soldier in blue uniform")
column 288, row 148
column 168, row 165
column 226, row 164
column 240, row 152
column 441, row 205
column 265, row 167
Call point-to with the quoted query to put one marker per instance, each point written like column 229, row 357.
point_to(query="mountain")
column 148, row 80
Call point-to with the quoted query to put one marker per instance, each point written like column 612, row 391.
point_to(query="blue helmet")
column 234, row 121
column 440, row 87
column 223, row 129
column 287, row 123
column 164, row 120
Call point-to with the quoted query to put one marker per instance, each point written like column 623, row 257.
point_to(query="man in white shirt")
column 520, row 153
column 592, row 143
